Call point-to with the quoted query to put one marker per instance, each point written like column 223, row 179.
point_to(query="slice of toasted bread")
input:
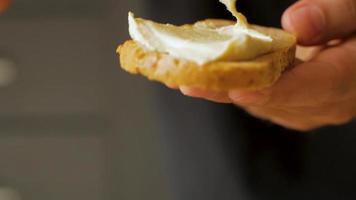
column 254, row 74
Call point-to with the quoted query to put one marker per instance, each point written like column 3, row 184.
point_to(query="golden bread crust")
column 218, row 76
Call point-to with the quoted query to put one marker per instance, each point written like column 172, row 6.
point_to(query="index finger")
column 325, row 78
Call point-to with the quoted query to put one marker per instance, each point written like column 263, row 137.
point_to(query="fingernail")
column 306, row 20
column 250, row 98
column 185, row 90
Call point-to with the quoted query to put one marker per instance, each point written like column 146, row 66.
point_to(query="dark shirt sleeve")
column 215, row 151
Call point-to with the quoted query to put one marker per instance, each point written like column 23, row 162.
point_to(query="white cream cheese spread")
column 202, row 44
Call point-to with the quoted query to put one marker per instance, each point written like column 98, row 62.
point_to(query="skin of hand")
column 4, row 4
column 320, row 90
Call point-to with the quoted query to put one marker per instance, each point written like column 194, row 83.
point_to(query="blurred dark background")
column 72, row 124
column 75, row 126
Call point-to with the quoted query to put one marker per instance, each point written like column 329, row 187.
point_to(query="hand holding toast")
column 321, row 89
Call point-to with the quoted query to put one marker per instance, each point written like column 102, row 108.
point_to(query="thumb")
column 318, row 21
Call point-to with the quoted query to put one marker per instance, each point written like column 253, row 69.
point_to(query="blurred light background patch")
column 8, row 71
column 62, row 8
column 72, row 124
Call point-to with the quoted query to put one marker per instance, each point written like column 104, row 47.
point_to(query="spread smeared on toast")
column 201, row 43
